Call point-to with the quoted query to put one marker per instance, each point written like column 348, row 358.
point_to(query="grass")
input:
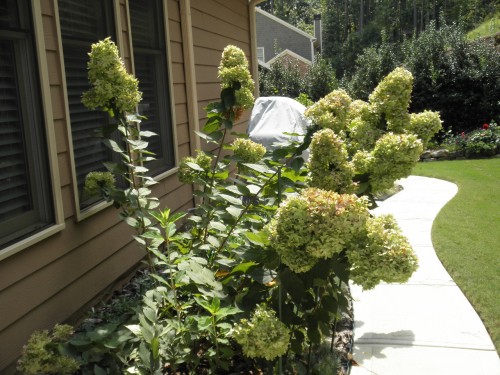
column 466, row 233
column 489, row 27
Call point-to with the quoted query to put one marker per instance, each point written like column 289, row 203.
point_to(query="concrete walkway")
column 427, row 326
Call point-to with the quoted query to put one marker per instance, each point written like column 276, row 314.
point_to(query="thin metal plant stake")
column 280, row 360
column 335, row 321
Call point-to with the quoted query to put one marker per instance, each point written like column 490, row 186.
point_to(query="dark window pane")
column 84, row 22
column 25, row 191
column 150, row 60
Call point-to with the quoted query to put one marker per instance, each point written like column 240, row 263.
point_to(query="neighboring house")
column 277, row 38
column 59, row 250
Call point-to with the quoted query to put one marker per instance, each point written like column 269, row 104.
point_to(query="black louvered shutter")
column 150, row 61
column 25, row 199
column 84, row 22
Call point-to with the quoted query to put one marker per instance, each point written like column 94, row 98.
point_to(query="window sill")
column 30, row 241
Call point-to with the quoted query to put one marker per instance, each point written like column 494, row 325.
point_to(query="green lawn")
column 466, row 233
column 488, row 27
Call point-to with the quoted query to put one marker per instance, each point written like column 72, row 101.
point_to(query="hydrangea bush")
column 383, row 141
column 259, row 266
column 264, row 335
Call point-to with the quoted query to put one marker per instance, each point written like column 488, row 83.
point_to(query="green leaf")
column 195, row 166
column 213, row 241
column 238, row 189
column 258, row 238
column 144, row 354
column 230, row 199
column 135, row 329
column 147, row 133
column 263, row 276
column 234, row 211
column 217, row 225
column 214, row 137
column 155, row 347
column 297, row 163
column 226, row 311
column 243, row 267
column 138, row 144
column 293, row 285
column 205, row 304
column 213, row 124
column 280, row 153
column 113, row 146
column 150, row 314
column 204, row 322
column 258, row 167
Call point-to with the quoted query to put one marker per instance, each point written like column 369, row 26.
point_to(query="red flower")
column 485, row 126
column 463, row 134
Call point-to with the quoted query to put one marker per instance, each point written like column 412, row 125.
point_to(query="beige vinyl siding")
column 215, row 27
column 53, row 280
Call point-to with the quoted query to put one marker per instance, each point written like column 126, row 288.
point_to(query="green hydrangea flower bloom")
column 95, row 182
column 381, row 253
column 394, row 156
column 329, row 168
column 187, row 174
column 363, row 135
column 331, row 111
column 425, row 125
column 113, row 89
column 316, row 224
column 247, row 150
column 391, row 98
column 264, row 335
column 234, row 68
column 362, row 162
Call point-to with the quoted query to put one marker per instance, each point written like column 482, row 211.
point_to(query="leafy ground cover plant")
column 482, row 142
column 271, row 245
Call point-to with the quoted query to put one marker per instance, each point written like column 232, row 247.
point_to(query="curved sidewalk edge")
column 426, row 326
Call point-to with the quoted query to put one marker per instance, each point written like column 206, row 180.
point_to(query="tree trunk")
column 414, row 17
column 361, row 15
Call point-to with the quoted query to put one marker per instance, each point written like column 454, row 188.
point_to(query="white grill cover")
column 272, row 116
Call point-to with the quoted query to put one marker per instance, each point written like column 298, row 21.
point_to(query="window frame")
column 99, row 205
column 41, row 75
column 170, row 86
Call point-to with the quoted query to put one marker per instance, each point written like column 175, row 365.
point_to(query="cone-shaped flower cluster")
column 264, row 335
column 113, row 89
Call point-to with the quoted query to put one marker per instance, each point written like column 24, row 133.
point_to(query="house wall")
column 270, row 32
column 55, row 279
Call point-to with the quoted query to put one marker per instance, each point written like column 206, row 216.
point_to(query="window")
column 260, row 54
column 84, row 22
column 25, row 188
column 150, row 61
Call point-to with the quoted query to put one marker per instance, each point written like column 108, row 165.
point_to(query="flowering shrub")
column 96, row 182
column 191, row 168
column 380, row 136
column 391, row 99
column 316, row 224
column 264, row 335
column 425, row 125
column 248, row 151
column 329, row 168
column 113, row 89
column 331, row 111
column 286, row 235
column 482, row 142
column 394, row 156
column 233, row 70
column 381, row 253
